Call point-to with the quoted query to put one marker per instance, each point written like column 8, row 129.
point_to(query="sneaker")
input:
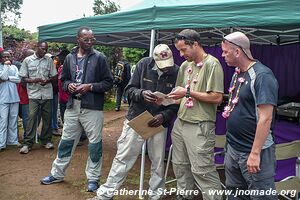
column 117, row 109
column 179, row 197
column 56, row 132
column 25, row 149
column 94, row 198
column 19, row 145
column 92, row 186
column 49, row 145
column 47, row 180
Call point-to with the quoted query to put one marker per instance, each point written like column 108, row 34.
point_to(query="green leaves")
column 105, row 7
column 12, row 6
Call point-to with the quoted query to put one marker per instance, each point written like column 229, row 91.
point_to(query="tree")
column 106, row 7
column 133, row 55
column 101, row 8
column 11, row 6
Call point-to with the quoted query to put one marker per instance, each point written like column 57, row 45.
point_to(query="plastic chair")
column 286, row 151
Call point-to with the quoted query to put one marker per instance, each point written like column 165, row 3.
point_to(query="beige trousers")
column 193, row 157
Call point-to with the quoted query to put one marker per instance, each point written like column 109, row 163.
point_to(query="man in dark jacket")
column 157, row 73
column 87, row 77
column 122, row 76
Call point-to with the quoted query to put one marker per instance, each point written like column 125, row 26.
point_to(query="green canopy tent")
column 264, row 21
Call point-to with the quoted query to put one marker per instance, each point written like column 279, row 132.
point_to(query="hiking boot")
column 92, row 186
column 25, row 149
column 47, row 180
column 49, row 145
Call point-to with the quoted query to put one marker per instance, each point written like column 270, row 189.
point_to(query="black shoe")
column 117, row 109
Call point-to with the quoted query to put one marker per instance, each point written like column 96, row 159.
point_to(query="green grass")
column 109, row 104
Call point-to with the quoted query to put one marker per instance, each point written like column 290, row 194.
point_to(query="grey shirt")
column 34, row 67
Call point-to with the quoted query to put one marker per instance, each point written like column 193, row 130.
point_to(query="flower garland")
column 233, row 101
column 189, row 100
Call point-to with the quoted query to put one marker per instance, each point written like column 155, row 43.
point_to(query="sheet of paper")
column 140, row 125
column 163, row 98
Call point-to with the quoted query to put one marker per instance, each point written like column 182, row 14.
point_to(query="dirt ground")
column 20, row 174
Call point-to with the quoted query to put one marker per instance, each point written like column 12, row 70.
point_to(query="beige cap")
column 241, row 40
column 163, row 56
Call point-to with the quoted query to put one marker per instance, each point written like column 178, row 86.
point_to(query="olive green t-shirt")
column 210, row 78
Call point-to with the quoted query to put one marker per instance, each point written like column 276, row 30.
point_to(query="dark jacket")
column 146, row 78
column 96, row 72
column 126, row 74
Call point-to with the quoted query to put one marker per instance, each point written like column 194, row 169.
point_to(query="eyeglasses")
column 86, row 40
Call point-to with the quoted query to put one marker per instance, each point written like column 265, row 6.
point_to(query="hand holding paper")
column 177, row 93
column 140, row 124
column 162, row 99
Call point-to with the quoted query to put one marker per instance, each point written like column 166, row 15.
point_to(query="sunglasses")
column 86, row 40
column 242, row 48
column 182, row 37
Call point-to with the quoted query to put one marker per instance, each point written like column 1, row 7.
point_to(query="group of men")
column 197, row 88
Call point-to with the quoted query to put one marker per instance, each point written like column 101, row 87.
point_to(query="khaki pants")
column 77, row 120
column 193, row 157
column 129, row 148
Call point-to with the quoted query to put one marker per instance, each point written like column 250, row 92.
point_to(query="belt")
column 77, row 98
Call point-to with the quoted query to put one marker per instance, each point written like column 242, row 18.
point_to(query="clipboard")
column 140, row 125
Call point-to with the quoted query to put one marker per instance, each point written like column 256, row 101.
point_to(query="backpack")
column 118, row 72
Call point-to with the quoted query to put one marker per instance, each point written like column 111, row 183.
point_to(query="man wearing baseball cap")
column 250, row 161
column 157, row 73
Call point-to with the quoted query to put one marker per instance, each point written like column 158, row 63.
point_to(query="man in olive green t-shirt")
column 199, row 90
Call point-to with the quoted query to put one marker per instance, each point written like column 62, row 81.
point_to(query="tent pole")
column 144, row 145
column 152, row 41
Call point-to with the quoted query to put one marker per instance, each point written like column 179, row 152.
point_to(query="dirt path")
column 20, row 174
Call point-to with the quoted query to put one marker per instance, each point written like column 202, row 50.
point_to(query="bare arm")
column 265, row 113
column 207, row 97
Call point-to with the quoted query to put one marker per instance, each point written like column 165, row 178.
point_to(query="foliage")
column 106, row 7
column 109, row 104
column 18, row 40
column 11, row 6
column 133, row 55
column 16, row 33
column 113, row 54
column 55, row 47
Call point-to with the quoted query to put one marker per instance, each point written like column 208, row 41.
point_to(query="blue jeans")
column 238, row 179
column 54, row 111
column 25, row 111
column 120, row 92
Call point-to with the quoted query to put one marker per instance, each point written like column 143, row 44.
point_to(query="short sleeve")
column 23, row 72
column 215, row 82
column 266, row 89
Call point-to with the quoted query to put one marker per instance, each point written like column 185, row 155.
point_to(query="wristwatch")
column 188, row 92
